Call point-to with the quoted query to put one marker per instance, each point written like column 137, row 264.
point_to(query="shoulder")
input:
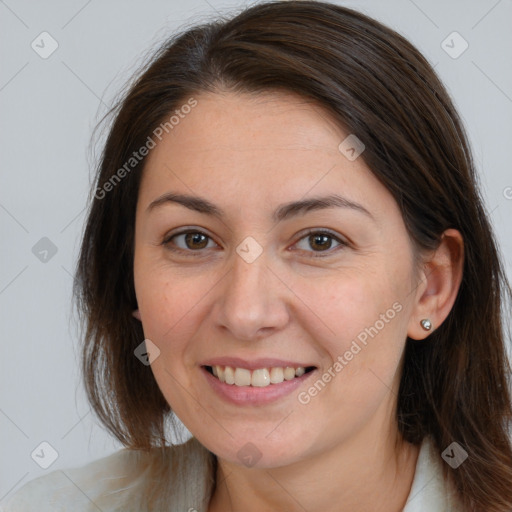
column 60, row 489
column 429, row 490
column 121, row 481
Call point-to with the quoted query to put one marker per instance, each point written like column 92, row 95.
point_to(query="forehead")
column 269, row 146
column 258, row 123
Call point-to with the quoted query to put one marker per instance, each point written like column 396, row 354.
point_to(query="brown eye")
column 188, row 241
column 195, row 240
column 320, row 241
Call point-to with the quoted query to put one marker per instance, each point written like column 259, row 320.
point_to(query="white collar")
column 429, row 490
column 117, row 482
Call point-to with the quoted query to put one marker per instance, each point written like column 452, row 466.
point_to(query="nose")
column 252, row 301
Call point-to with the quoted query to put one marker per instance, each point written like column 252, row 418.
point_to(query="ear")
column 440, row 280
column 136, row 314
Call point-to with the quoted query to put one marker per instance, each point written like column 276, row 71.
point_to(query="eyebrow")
column 283, row 212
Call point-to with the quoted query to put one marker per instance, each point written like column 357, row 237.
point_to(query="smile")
column 260, row 377
column 260, row 386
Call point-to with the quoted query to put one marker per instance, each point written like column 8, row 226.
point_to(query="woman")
column 287, row 249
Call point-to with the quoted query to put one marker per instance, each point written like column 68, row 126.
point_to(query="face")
column 244, row 279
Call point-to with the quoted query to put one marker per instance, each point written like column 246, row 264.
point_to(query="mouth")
column 260, row 377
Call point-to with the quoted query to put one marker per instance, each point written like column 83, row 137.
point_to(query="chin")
column 258, row 451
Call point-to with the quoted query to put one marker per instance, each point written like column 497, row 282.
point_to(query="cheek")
column 359, row 323
column 356, row 305
column 169, row 301
column 168, row 310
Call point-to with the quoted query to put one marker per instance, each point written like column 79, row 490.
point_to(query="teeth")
column 257, row 378
column 276, row 375
column 229, row 375
column 260, row 378
column 300, row 371
column 242, row 377
column 289, row 373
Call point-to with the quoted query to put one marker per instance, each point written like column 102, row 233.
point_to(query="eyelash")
column 317, row 254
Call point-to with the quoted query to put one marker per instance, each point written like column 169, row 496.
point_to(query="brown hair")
column 454, row 385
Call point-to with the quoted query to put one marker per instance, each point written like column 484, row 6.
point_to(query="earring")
column 426, row 324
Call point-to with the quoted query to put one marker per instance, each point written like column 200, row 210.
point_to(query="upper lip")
column 254, row 364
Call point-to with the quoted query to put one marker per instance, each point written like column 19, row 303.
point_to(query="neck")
column 360, row 475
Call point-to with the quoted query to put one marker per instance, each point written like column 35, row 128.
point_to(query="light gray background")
column 48, row 110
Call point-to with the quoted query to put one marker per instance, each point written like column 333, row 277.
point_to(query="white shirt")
column 118, row 483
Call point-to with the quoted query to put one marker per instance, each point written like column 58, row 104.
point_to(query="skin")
column 248, row 154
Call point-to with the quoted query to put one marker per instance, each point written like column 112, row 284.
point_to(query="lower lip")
column 250, row 395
